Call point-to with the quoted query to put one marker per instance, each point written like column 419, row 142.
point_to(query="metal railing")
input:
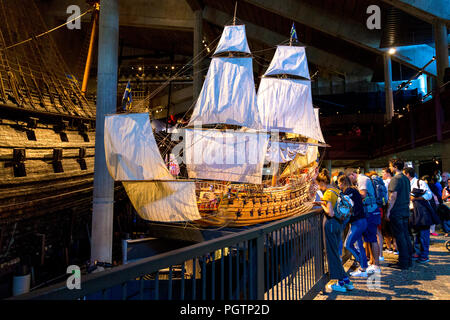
column 282, row 260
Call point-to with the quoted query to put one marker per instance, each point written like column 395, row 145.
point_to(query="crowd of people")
column 397, row 211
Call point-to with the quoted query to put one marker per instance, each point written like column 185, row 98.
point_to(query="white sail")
column 132, row 154
column 289, row 60
column 228, row 95
column 225, row 155
column 131, row 150
column 286, row 105
column 282, row 152
column 233, row 39
column 164, row 201
column 318, row 129
column 300, row 161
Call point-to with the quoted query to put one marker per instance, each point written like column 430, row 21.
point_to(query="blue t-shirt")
column 358, row 209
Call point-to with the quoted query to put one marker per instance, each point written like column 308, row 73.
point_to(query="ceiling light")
column 392, row 51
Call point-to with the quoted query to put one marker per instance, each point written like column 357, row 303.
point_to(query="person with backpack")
column 358, row 225
column 421, row 217
column 436, row 199
column 381, row 196
column 373, row 215
column 333, row 232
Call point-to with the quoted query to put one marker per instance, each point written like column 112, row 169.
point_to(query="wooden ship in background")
column 219, row 193
column 47, row 144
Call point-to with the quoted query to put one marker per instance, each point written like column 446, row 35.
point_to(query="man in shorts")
column 373, row 215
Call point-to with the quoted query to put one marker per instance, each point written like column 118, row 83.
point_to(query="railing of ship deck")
column 282, row 260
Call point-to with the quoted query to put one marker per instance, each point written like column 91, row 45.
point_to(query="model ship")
column 250, row 157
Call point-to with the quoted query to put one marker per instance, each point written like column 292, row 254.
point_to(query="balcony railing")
column 278, row 261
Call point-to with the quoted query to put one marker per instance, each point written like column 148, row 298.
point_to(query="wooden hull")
column 254, row 208
column 221, row 220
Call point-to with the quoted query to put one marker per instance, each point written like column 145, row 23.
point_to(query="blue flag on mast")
column 293, row 33
column 127, row 98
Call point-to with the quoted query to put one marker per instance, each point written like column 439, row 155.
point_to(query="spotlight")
column 392, row 51
column 140, row 68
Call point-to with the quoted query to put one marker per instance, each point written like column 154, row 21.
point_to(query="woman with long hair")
column 333, row 233
column 358, row 225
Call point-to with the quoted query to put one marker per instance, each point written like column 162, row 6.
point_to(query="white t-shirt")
column 364, row 183
column 422, row 185
column 386, row 183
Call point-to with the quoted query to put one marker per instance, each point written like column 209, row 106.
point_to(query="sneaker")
column 415, row 257
column 434, row 234
column 373, row 269
column 337, row 287
column 421, row 260
column 359, row 273
column 381, row 258
column 349, row 286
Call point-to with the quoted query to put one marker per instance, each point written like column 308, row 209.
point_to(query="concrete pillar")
column 417, row 167
column 445, row 156
column 441, row 44
column 198, row 47
column 429, row 84
column 328, row 165
column 388, row 88
column 102, row 215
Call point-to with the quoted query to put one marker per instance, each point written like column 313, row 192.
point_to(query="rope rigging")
column 47, row 32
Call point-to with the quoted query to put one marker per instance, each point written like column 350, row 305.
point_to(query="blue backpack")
column 343, row 208
column 381, row 193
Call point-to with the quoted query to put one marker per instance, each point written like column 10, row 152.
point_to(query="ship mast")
column 276, row 168
column 88, row 64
